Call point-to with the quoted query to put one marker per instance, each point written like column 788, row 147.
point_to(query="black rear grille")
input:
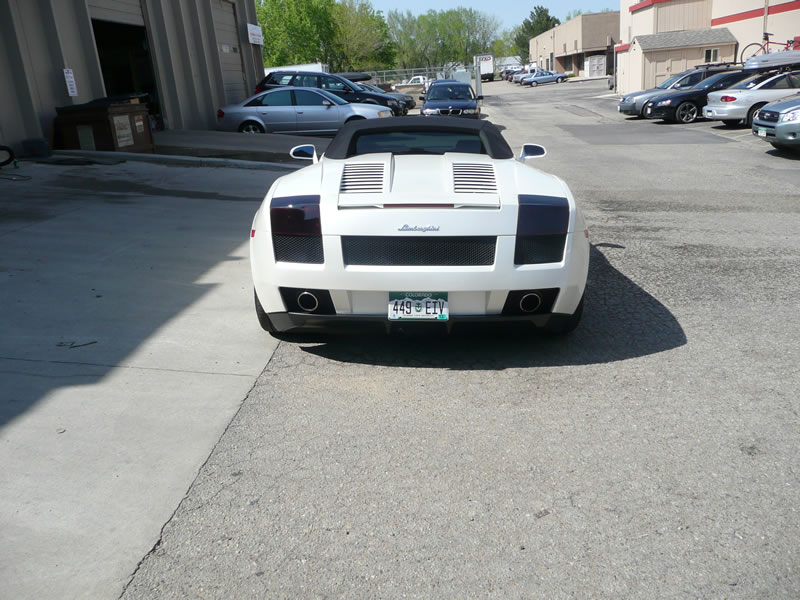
column 768, row 115
column 418, row 251
column 298, row 248
column 539, row 249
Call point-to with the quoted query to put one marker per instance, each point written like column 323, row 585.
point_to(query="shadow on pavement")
column 620, row 321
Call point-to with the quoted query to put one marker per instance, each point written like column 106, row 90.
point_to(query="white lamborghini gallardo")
column 418, row 219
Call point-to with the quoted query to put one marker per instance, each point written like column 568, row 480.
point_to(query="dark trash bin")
column 115, row 123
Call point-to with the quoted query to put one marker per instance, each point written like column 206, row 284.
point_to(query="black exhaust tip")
column 307, row 301
column 530, row 302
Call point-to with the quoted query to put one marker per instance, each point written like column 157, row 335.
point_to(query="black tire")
column 561, row 80
column 251, row 127
column 687, row 112
column 263, row 317
column 564, row 324
column 751, row 114
column 730, row 122
column 751, row 50
column 534, row 84
column 6, row 155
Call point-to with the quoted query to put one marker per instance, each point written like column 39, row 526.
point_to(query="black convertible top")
column 343, row 145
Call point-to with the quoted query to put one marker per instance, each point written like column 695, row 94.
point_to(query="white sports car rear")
column 417, row 219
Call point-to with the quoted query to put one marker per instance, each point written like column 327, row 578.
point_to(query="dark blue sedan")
column 451, row 98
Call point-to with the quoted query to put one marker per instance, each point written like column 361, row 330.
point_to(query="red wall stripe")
column 621, row 47
column 645, row 4
column 759, row 12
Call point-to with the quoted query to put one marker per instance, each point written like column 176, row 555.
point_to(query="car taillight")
column 542, row 225
column 220, row 113
column 296, row 229
column 728, row 98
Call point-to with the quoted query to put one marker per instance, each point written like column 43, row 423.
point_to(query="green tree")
column 539, row 21
column 296, row 31
column 504, row 45
column 361, row 39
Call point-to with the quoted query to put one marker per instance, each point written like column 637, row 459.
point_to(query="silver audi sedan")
column 295, row 110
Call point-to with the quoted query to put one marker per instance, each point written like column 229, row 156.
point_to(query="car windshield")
column 707, row 83
column 417, row 142
column 368, row 88
column 665, row 84
column 450, row 92
column 753, row 81
column 332, row 97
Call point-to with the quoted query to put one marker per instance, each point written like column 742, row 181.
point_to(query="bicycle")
column 756, row 49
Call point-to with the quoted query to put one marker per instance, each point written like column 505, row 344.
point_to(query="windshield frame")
column 665, row 85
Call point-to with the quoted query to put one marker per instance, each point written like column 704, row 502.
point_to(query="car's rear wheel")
column 562, row 80
column 730, row 122
column 263, row 317
column 250, row 127
column 751, row 114
column 564, row 324
column 686, row 112
column 534, row 84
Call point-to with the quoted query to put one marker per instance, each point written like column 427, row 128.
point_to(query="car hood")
column 450, row 103
column 677, row 95
column 785, row 104
column 420, row 190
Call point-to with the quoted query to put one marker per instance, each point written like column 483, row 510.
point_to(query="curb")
column 183, row 161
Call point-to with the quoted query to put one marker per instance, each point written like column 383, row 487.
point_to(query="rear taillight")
column 728, row 98
column 542, row 225
column 296, row 229
column 220, row 113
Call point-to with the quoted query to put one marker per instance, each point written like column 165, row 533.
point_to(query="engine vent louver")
column 362, row 178
column 473, row 179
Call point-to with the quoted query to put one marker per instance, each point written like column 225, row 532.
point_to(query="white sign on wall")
column 72, row 87
column 255, row 34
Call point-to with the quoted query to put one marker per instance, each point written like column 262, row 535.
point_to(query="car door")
column 277, row 111
column 775, row 88
column 338, row 87
column 315, row 113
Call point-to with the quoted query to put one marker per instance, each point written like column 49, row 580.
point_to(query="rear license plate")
column 418, row 306
column 762, row 132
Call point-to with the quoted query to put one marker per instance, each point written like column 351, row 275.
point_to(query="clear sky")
column 510, row 13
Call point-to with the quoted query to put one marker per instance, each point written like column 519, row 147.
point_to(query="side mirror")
column 531, row 151
column 304, row 152
column 327, row 103
column 422, row 97
column 479, row 98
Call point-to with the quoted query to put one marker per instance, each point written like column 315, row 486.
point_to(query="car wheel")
column 263, row 317
column 730, row 122
column 564, row 324
column 751, row 114
column 534, row 84
column 686, row 112
column 562, row 80
column 251, row 127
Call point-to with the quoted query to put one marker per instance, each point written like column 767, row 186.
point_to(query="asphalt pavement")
column 651, row 454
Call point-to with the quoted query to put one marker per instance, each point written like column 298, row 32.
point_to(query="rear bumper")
column 290, row 321
column 725, row 113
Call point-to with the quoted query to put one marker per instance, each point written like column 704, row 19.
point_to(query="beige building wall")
column 745, row 19
column 589, row 33
column 680, row 15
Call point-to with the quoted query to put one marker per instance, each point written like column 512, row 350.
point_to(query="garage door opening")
column 125, row 62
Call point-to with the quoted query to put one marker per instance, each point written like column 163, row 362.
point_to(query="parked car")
column 685, row 106
column 406, row 101
column 779, row 123
column 520, row 75
column 468, row 224
column 742, row 101
column 335, row 84
column 634, row 103
column 450, row 97
column 542, row 76
column 295, row 110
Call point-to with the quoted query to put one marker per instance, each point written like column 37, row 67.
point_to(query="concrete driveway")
column 128, row 343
